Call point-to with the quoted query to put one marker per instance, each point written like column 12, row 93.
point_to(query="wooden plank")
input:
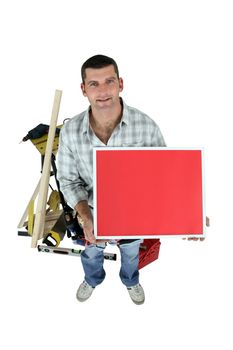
column 50, row 220
column 30, row 217
column 50, row 223
column 25, row 214
column 50, row 216
column 44, row 184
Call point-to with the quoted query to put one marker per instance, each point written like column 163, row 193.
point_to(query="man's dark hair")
column 96, row 62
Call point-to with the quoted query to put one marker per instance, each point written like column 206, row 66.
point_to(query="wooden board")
column 43, row 191
column 25, row 214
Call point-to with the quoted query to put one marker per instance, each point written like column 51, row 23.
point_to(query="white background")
column 176, row 60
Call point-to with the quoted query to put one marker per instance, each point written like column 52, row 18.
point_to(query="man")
column 107, row 122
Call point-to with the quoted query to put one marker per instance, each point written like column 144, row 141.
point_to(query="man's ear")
column 121, row 84
column 83, row 89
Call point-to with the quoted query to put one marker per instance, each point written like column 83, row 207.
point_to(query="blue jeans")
column 93, row 259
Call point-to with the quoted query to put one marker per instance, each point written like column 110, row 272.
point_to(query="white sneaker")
column 136, row 294
column 84, row 291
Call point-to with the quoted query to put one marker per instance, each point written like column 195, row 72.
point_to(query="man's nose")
column 102, row 88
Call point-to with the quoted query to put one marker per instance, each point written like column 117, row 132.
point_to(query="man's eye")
column 110, row 81
column 93, row 84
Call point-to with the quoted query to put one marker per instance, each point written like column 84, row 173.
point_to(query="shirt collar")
column 125, row 115
column 86, row 123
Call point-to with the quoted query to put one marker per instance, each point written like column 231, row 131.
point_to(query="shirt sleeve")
column 157, row 138
column 71, row 184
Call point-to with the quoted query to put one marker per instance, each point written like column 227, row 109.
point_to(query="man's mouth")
column 103, row 99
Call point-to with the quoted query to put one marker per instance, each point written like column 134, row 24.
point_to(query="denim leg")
column 129, row 273
column 92, row 260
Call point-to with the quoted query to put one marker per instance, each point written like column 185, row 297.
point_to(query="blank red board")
column 148, row 192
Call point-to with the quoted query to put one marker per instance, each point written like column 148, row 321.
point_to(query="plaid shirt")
column 76, row 142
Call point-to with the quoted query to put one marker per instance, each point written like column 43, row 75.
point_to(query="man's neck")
column 104, row 122
column 106, row 119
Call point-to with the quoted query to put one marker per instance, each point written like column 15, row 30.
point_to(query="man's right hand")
column 84, row 211
column 88, row 230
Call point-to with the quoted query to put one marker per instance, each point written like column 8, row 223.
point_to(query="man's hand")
column 195, row 239
column 88, row 230
column 85, row 216
column 201, row 238
column 86, row 221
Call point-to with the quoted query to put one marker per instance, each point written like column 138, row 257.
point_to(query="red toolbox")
column 149, row 252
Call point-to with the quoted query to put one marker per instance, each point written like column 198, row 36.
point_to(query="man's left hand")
column 201, row 239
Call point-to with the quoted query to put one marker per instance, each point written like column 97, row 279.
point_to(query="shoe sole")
column 82, row 299
column 138, row 302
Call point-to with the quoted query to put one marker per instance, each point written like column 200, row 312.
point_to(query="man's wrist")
column 83, row 210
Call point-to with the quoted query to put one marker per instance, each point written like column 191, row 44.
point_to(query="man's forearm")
column 83, row 210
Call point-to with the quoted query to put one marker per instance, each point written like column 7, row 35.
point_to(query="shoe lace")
column 86, row 285
column 137, row 288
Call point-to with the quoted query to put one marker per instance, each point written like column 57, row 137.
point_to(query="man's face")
column 102, row 87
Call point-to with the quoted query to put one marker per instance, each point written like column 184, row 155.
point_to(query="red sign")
column 148, row 192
